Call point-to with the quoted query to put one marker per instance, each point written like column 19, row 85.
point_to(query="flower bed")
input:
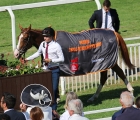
column 14, row 68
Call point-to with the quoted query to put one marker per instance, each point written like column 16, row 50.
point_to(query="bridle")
column 23, row 50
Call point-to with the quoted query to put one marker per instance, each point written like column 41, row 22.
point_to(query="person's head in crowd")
column 75, row 106
column 126, row 99
column 70, row 96
column 4, row 116
column 137, row 102
column 106, row 5
column 36, row 114
column 8, row 101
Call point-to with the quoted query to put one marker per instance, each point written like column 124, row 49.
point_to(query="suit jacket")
column 15, row 115
column 77, row 117
column 129, row 113
column 97, row 16
column 116, row 114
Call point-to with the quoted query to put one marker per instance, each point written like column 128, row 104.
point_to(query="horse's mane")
column 37, row 31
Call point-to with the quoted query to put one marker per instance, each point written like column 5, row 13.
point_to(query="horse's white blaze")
column 16, row 52
column 19, row 41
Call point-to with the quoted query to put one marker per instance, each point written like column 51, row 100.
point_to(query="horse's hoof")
column 90, row 100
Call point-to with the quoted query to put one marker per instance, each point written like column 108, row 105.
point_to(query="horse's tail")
column 124, row 51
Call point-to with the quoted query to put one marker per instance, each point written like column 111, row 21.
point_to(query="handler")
column 53, row 55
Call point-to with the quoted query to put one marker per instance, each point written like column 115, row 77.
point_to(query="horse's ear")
column 20, row 27
column 29, row 28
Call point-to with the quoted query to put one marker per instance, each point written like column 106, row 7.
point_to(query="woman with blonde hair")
column 36, row 114
column 70, row 96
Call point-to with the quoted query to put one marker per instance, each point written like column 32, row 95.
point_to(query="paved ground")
column 109, row 118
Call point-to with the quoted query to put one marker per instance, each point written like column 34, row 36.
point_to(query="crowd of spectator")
column 73, row 109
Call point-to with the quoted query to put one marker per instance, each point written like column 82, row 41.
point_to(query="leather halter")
column 23, row 50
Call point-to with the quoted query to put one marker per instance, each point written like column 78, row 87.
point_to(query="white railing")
column 83, row 82
column 33, row 5
column 101, row 111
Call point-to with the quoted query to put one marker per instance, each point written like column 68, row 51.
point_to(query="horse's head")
column 24, row 41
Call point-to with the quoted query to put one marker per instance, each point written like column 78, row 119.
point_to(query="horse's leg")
column 121, row 74
column 102, row 82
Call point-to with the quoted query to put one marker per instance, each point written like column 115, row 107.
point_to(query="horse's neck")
column 37, row 37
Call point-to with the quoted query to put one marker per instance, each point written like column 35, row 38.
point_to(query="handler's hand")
column 23, row 60
column 47, row 60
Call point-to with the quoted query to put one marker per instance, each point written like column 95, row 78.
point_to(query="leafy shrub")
column 16, row 67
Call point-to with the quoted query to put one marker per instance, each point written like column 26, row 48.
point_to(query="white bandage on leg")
column 129, row 87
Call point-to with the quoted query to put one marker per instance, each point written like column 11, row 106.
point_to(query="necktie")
column 46, row 51
column 46, row 56
column 105, row 20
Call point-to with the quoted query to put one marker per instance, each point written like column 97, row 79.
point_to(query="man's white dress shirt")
column 66, row 115
column 77, row 117
column 109, row 20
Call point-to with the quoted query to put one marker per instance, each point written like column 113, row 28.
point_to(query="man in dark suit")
column 8, row 102
column 128, row 112
column 4, row 116
column 105, row 18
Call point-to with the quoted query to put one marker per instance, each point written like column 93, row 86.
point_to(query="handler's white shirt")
column 77, row 117
column 54, row 53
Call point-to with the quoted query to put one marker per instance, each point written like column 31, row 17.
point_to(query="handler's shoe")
column 56, row 116
column 57, row 100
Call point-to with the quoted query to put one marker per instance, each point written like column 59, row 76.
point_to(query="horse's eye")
column 25, row 39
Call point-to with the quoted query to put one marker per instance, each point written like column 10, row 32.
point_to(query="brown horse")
column 33, row 37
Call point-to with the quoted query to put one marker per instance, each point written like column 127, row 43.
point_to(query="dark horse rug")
column 88, row 51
